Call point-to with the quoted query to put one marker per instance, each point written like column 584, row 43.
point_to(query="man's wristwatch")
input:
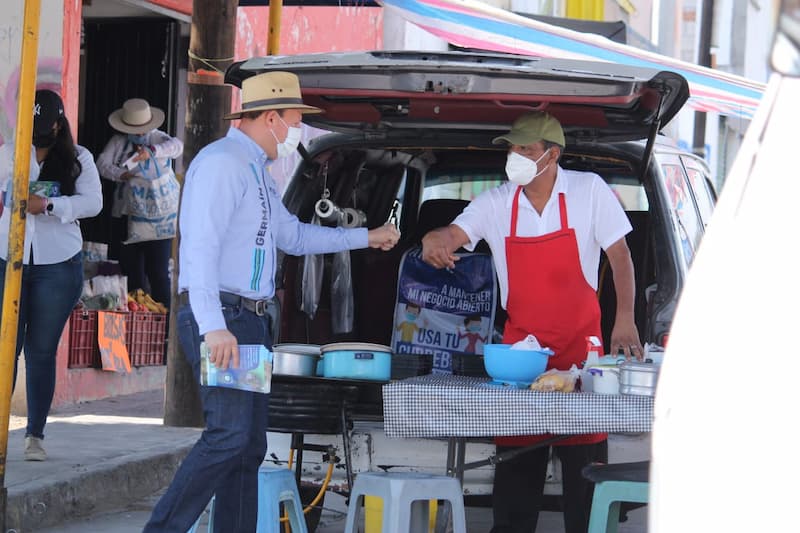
column 49, row 208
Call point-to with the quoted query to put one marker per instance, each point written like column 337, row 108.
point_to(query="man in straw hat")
column 546, row 227
column 149, row 152
column 232, row 223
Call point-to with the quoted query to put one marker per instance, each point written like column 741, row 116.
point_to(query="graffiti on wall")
column 48, row 76
column 49, row 64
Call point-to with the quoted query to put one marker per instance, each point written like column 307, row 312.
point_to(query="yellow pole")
column 274, row 38
column 16, row 235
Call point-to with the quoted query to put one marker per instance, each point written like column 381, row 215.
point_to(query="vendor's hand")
column 383, row 237
column 142, row 154
column 436, row 249
column 36, row 204
column 125, row 176
column 625, row 338
column 224, row 348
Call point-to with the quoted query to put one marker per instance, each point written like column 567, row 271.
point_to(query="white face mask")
column 521, row 170
column 289, row 145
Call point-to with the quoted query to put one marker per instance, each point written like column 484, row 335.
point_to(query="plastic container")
column 83, row 349
column 514, row 367
column 357, row 360
column 145, row 335
column 605, row 379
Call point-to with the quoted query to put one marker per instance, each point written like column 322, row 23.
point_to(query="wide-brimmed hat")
column 136, row 116
column 272, row 90
column 533, row 127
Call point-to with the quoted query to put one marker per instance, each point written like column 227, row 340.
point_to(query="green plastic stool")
column 614, row 484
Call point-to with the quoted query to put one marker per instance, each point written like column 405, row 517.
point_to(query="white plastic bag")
column 312, row 281
column 341, row 293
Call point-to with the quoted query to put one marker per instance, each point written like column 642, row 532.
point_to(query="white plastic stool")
column 405, row 500
column 275, row 485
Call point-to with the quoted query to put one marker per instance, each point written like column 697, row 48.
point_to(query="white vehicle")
column 726, row 418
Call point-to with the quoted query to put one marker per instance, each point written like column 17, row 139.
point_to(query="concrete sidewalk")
column 109, row 460
column 102, row 455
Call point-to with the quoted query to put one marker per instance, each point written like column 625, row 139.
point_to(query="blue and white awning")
column 472, row 24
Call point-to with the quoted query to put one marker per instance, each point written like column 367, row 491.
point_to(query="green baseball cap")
column 533, row 127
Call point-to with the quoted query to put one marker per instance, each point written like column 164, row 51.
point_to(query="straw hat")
column 272, row 90
column 136, row 116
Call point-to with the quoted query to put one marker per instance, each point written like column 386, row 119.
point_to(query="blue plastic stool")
column 275, row 485
column 210, row 528
column 405, row 500
column 615, row 483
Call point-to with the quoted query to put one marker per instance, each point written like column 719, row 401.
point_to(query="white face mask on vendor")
column 521, row 170
column 290, row 144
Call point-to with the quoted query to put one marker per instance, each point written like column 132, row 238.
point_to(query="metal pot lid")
column 357, row 346
column 300, row 349
column 639, row 366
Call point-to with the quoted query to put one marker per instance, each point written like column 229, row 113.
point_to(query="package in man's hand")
column 254, row 373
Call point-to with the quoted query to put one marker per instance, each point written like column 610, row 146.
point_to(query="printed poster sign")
column 111, row 340
column 444, row 312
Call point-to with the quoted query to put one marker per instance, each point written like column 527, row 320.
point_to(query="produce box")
column 145, row 336
column 83, row 349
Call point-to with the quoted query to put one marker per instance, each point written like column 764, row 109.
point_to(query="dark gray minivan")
column 411, row 142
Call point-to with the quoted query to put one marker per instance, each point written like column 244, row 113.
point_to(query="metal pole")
column 16, row 234
column 703, row 59
column 274, row 38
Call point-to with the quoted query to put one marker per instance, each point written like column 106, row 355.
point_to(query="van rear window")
column 459, row 186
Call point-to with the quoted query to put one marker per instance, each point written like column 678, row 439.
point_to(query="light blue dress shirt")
column 232, row 220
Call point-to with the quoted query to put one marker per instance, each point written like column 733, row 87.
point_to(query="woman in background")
column 149, row 151
column 65, row 187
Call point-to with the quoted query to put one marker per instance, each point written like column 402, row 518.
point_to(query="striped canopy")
column 473, row 24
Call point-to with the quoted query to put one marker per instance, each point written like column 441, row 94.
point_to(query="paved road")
column 133, row 518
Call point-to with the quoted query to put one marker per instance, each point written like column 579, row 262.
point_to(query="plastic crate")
column 83, row 349
column 469, row 365
column 145, row 336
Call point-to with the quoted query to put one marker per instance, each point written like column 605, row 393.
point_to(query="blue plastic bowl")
column 514, row 366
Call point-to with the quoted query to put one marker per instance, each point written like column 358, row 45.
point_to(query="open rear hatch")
column 413, row 92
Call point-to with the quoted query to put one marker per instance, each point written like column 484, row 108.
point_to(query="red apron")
column 549, row 297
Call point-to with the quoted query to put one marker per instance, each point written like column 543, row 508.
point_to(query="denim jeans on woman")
column 226, row 459
column 48, row 295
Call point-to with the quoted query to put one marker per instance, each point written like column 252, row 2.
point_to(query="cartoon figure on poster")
column 471, row 332
column 442, row 312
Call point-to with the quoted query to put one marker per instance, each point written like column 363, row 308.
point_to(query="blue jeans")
column 48, row 295
column 226, row 459
column 145, row 263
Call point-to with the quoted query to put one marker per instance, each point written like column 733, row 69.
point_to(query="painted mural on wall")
column 49, row 71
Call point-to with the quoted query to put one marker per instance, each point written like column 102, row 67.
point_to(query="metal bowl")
column 295, row 359
column 638, row 379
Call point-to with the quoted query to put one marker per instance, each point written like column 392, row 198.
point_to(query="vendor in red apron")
column 546, row 228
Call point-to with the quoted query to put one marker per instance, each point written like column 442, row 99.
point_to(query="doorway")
column 124, row 58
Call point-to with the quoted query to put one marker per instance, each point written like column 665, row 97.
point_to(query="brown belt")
column 259, row 307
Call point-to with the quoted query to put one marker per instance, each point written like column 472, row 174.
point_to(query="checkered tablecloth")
column 459, row 406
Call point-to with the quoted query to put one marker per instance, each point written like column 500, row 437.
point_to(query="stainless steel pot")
column 638, row 379
column 295, row 359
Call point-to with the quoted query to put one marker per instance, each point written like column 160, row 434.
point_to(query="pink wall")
column 307, row 30
column 71, row 61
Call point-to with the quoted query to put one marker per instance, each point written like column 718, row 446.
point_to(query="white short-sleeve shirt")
column 593, row 211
